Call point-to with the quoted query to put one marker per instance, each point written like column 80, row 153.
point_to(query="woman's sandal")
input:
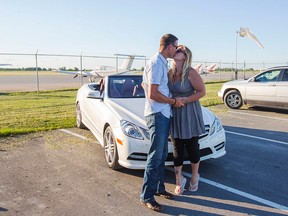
column 194, row 187
column 180, row 188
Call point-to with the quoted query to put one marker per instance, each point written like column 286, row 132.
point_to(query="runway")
column 27, row 81
column 24, row 83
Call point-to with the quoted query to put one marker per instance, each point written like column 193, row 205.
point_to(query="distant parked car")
column 114, row 113
column 267, row 89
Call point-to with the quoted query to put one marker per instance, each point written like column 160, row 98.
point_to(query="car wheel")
column 79, row 122
column 110, row 149
column 233, row 99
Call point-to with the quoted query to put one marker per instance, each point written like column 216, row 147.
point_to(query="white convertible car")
column 113, row 112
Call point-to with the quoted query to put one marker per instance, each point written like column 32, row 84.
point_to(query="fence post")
column 37, row 75
column 81, row 77
column 220, row 66
column 244, row 70
column 236, row 69
column 117, row 64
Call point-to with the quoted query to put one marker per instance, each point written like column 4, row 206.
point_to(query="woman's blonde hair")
column 186, row 66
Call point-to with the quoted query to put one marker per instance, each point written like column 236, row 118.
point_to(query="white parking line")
column 238, row 192
column 256, row 137
column 215, row 184
column 74, row 134
column 261, row 116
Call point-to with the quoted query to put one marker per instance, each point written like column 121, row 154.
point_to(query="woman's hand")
column 179, row 102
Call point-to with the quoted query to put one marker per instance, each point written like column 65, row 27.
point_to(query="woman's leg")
column 178, row 174
column 194, row 157
column 178, row 157
column 195, row 172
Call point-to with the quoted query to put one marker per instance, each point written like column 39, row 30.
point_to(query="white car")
column 268, row 89
column 114, row 113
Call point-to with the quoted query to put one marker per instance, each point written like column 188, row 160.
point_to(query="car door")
column 93, row 109
column 282, row 91
column 262, row 89
column 112, row 92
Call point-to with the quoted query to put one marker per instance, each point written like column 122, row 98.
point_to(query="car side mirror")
column 95, row 95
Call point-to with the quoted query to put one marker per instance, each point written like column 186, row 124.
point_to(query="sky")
column 105, row 27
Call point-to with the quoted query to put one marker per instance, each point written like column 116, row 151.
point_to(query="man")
column 157, row 115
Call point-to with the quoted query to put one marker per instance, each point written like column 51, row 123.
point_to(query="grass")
column 23, row 113
column 211, row 98
column 27, row 112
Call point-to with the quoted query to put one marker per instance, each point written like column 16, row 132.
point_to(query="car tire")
column 110, row 149
column 79, row 122
column 233, row 99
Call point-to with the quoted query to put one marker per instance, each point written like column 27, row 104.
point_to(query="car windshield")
column 125, row 87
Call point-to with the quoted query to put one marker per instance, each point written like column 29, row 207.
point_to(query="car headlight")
column 216, row 126
column 132, row 130
column 146, row 133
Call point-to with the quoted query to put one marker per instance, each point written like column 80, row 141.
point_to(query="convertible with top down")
column 113, row 111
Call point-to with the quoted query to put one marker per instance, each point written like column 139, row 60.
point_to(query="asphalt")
column 56, row 173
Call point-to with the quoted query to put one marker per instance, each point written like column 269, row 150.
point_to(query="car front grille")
column 143, row 157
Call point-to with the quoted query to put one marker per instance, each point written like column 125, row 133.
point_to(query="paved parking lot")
column 56, row 173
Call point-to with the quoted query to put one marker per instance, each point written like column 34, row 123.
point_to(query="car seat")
column 127, row 88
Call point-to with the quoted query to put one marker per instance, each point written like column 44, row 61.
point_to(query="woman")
column 187, row 123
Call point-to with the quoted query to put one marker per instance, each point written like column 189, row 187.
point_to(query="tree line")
column 77, row 69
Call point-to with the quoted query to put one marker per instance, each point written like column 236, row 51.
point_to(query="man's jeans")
column 154, row 174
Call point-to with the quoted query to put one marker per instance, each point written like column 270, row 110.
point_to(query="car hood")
column 130, row 109
column 236, row 82
column 133, row 110
column 208, row 116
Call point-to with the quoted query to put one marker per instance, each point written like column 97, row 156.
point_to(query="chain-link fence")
column 34, row 72
column 38, row 71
